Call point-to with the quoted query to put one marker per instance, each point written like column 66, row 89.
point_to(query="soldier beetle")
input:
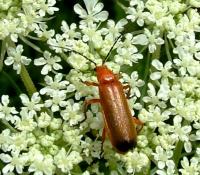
column 119, row 124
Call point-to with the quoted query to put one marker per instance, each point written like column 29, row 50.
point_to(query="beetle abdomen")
column 125, row 145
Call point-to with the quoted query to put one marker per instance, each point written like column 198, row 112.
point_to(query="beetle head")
column 104, row 75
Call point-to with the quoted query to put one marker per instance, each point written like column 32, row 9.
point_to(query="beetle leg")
column 86, row 104
column 129, row 90
column 88, row 83
column 103, row 139
column 138, row 122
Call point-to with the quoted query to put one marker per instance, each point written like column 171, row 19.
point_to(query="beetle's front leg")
column 88, row 83
column 86, row 104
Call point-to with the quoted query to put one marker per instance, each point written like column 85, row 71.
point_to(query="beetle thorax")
column 104, row 75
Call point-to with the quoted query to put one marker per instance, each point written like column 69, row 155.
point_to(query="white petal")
column 5, row 100
column 102, row 16
column 157, row 64
column 79, row 10
column 160, row 41
column 57, row 66
column 25, row 60
column 46, row 69
column 188, row 147
column 54, row 108
column 9, row 61
column 155, row 76
column 140, row 22
column 140, row 39
column 197, row 55
column 90, row 5
column 24, row 99
column 152, row 48
column 40, row 61
column 5, row 157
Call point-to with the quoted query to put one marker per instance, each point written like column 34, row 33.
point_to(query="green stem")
column 167, row 49
column 177, row 153
column 145, row 78
column 153, row 171
column 142, row 50
column 8, row 125
column 121, row 5
column 178, row 150
column 12, row 82
column 171, row 43
column 3, row 52
column 156, row 54
column 28, row 83
column 30, row 44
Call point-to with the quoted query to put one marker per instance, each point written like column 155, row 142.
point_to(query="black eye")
column 95, row 69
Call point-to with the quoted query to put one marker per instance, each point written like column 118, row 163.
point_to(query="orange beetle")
column 119, row 123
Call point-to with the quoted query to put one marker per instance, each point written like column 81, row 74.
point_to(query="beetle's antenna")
column 69, row 49
column 106, row 58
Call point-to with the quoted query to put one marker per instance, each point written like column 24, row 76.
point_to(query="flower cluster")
column 46, row 130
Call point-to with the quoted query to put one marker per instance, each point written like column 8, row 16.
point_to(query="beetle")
column 119, row 124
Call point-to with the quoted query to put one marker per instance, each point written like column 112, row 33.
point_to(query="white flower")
column 47, row 6
column 66, row 161
column 69, row 31
column 42, row 31
column 134, row 161
column 163, row 92
column 6, row 112
column 26, row 122
column 46, row 140
column 19, row 141
column 156, row 118
column 134, row 83
column 78, row 62
column 115, row 29
column 162, row 156
column 55, row 84
column 44, row 120
column 169, row 169
column 55, row 123
column 72, row 113
column 181, row 132
column 152, row 39
column 33, row 105
column 152, row 98
column 15, row 57
column 92, row 34
column 127, row 56
column 60, row 43
column 16, row 161
column 191, row 167
column 57, row 100
column 194, row 3
column 50, row 63
column 5, row 140
column 164, row 71
column 176, row 94
column 137, row 13
column 41, row 164
column 93, row 13
column 186, row 63
column 72, row 137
